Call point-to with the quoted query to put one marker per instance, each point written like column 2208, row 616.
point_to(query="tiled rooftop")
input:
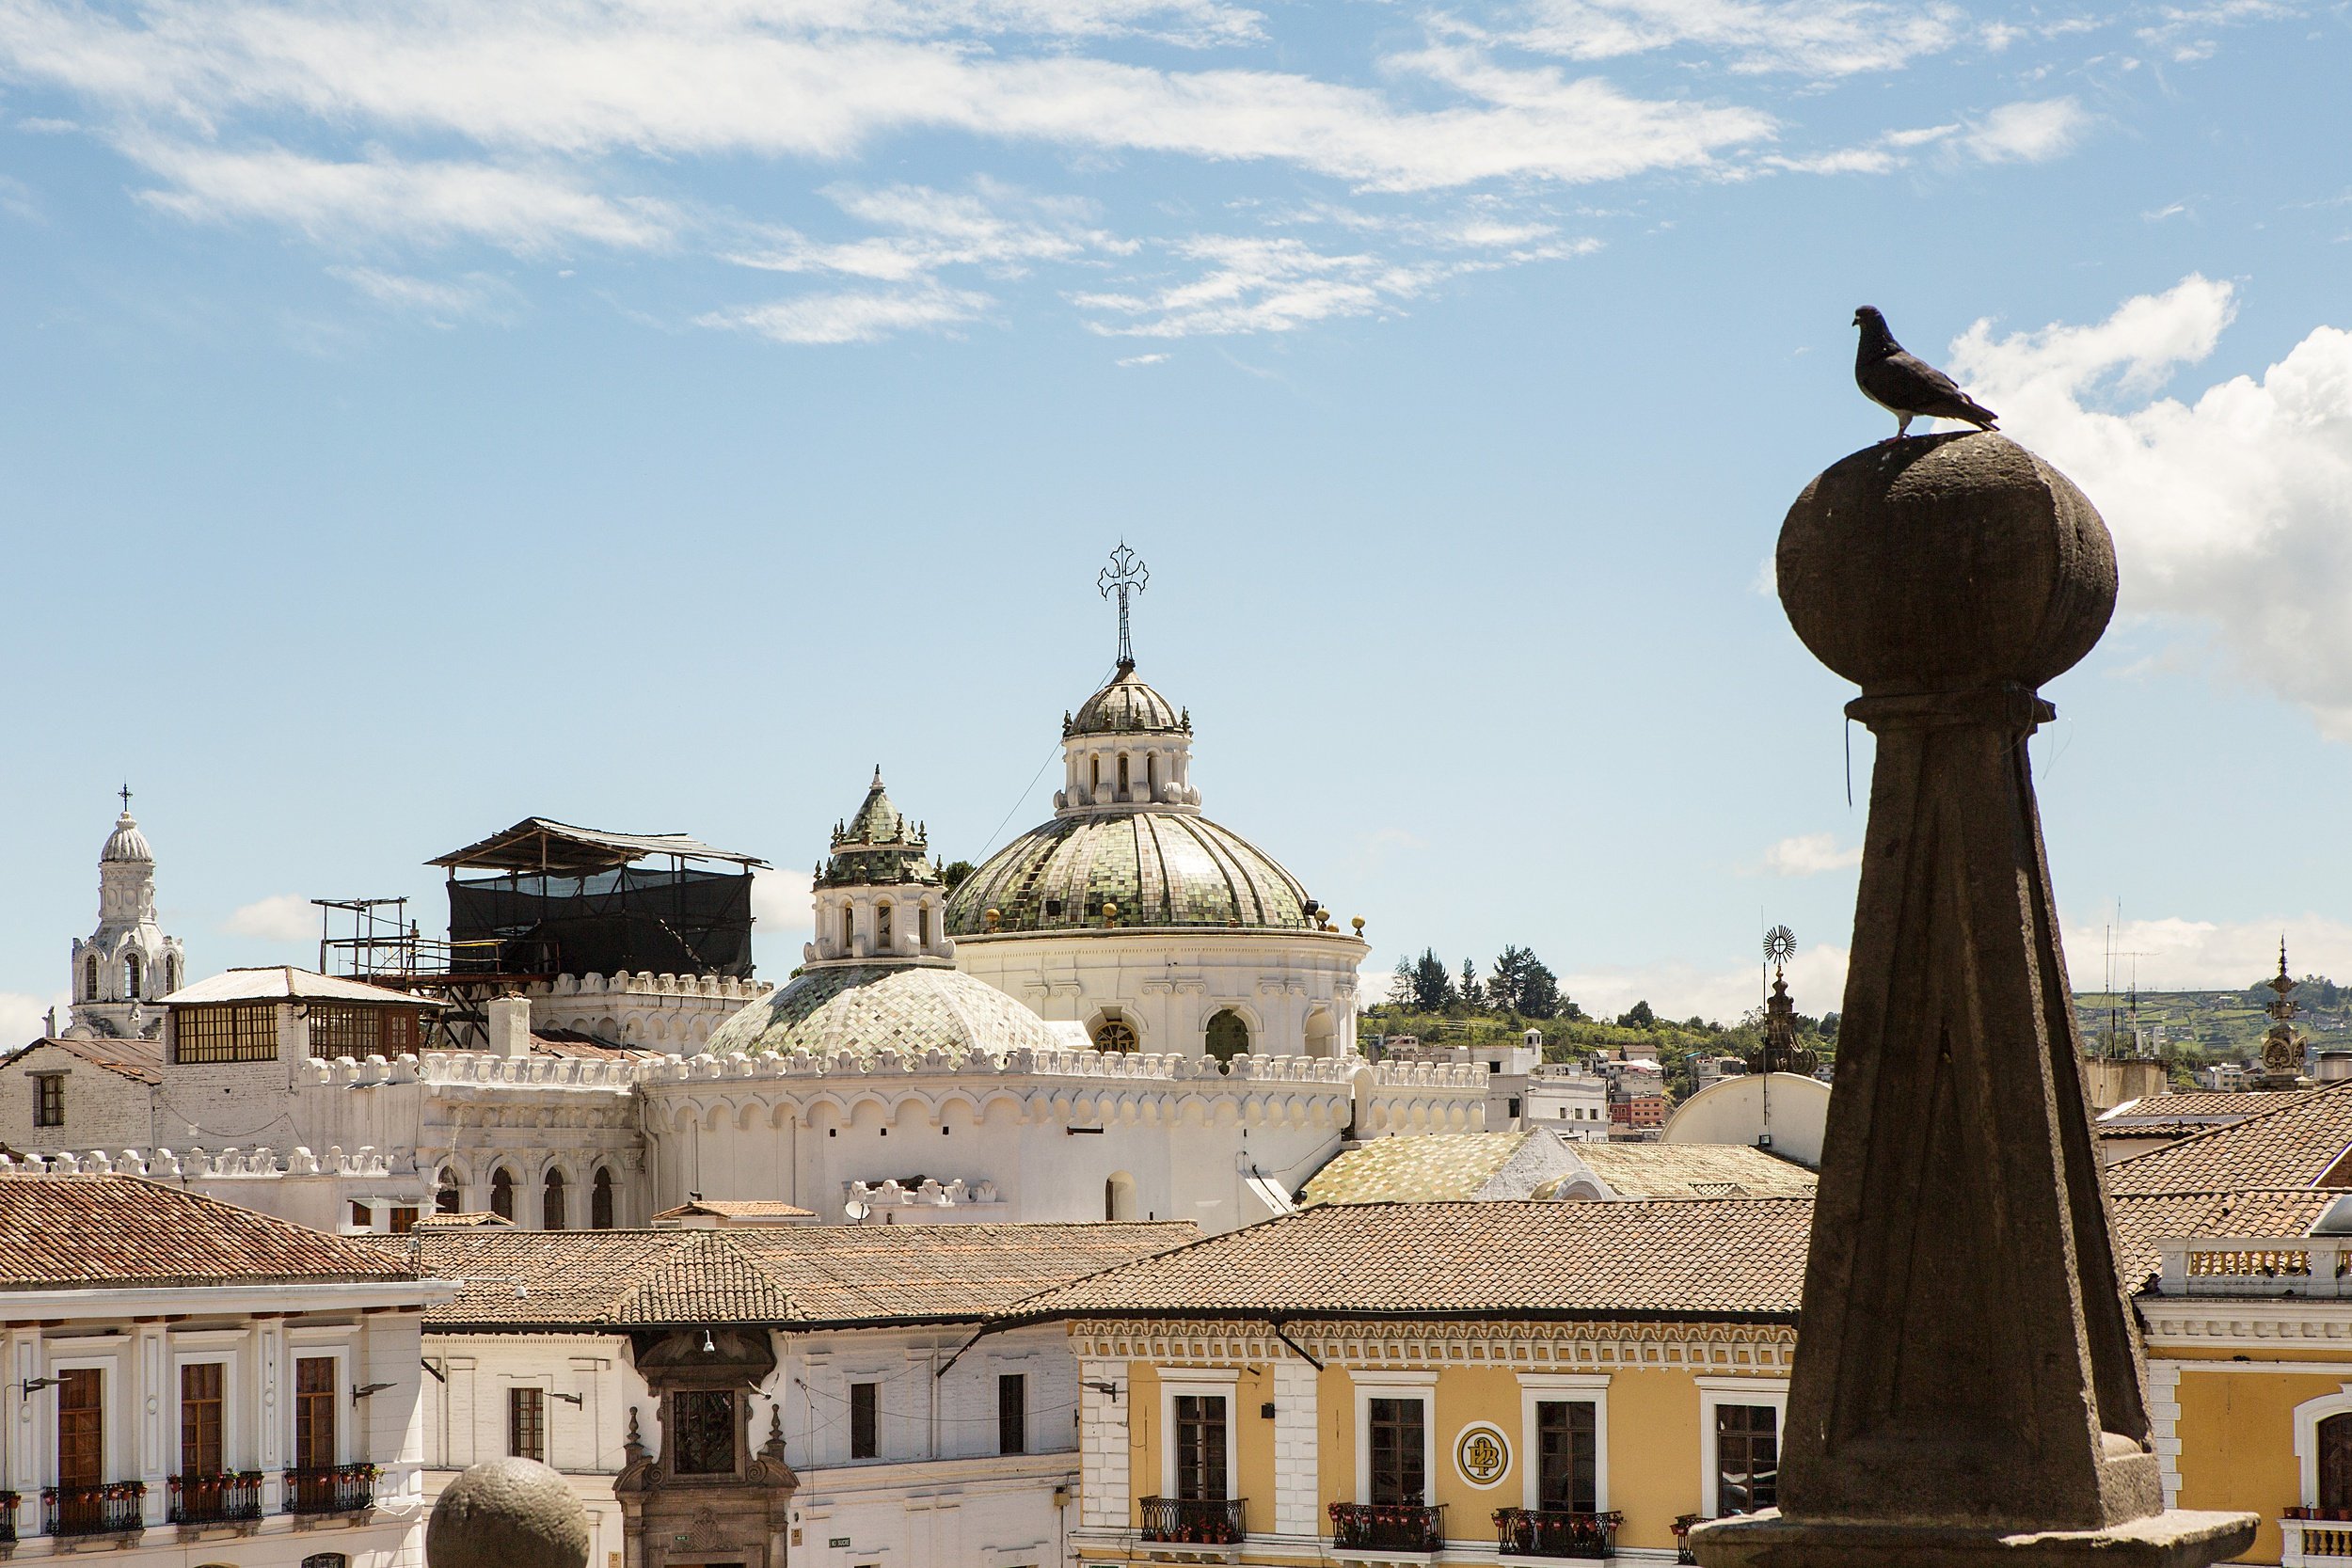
column 1697, row 1257
column 68, row 1232
column 865, row 1008
column 1696, row 1170
column 2142, row 1220
column 805, row 1276
column 1160, row 868
column 2203, row 1105
column 2300, row 1143
column 1422, row 1169
column 141, row 1059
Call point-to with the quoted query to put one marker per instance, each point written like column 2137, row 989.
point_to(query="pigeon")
column 1905, row 384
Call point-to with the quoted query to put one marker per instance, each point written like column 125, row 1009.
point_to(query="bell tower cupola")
column 880, row 898
column 127, row 962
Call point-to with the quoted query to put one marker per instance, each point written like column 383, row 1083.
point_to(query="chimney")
column 508, row 1020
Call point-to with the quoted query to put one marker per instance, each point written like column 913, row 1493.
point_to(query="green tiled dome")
column 1161, row 868
column 867, row 1008
column 1126, row 707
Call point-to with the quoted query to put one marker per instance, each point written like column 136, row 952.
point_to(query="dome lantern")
column 879, row 897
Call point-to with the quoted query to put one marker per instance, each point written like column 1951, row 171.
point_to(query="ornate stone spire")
column 2282, row 1048
column 879, row 897
column 127, row 962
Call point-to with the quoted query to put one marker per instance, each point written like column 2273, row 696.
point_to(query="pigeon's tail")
column 1975, row 413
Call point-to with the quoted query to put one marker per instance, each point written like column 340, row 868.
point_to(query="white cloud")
column 24, row 1018
column 851, row 317
column 280, row 917
column 782, row 904
column 2178, row 953
column 385, row 199
column 1817, row 983
column 2026, row 132
column 1141, row 359
column 1814, row 38
column 931, row 229
column 2228, row 507
column 477, row 294
column 1809, row 855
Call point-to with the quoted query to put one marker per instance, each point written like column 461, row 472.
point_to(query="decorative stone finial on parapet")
column 1968, row 1387
column 507, row 1513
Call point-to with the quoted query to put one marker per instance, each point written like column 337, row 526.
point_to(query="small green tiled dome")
column 1160, row 868
column 866, row 1008
column 1126, row 707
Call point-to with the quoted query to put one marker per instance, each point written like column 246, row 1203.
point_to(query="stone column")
column 1968, row 1386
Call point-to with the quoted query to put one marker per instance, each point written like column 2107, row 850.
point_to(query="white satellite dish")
column 856, row 1210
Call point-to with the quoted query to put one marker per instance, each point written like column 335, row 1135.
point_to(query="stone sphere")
column 1946, row 564
column 507, row 1513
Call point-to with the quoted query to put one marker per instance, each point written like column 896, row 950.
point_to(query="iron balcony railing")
column 331, row 1489
column 1388, row 1527
column 7, row 1517
column 230, row 1497
column 1682, row 1536
column 1555, row 1533
column 1194, row 1521
column 110, row 1508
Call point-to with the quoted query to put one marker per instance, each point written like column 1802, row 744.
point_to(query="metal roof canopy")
column 538, row 845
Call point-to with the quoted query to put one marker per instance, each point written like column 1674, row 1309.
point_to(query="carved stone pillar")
column 1968, row 1386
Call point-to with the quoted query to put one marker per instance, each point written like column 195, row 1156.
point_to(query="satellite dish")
column 856, row 1210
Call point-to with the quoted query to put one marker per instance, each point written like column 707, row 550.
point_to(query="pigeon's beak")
column 1857, row 319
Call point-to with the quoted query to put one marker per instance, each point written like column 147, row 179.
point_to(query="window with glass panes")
column 1399, row 1468
column 201, row 1411
column 350, row 1029
column 1013, row 1412
column 225, row 1032
column 2335, row 1465
column 1200, row 1446
column 864, row 1420
column 1566, row 1456
column 1747, row 1458
column 81, row 1427
column 701, row 1441
column 49, row 1099
column 314, row 1412
column 527, row 1423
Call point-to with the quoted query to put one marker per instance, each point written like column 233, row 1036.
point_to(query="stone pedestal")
column 1968, row 1386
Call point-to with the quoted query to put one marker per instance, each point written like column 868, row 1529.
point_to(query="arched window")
column 1320, row 1033
column 1152, row 774
column 171, row 972
column 923, row 925
column 90, row 978
column 1229, row 1035
column 447, row 1199
column 1094, row 772
column 1122, row 775
column 600, row 1200
column 882, row 927
column 2335, row 1462
column 1112, row 1032
column 502, row 1193
column 849, row 931
column 1118, row 1197
column 551, row 1202
column 131, row 976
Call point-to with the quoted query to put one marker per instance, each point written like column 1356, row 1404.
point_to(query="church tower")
column 124, row 965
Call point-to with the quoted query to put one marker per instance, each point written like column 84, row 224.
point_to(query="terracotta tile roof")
column 756, row 1209
column 472, row 1217
column 2296, row 1144
column 806, row 1276
column 2203, row 1104
column 1422, row 1169
column 2143, row 1219
column 141, row 1060
column 572, row 1043
column 68, row 1232
column 1694, row 1170
column 1695, row 1257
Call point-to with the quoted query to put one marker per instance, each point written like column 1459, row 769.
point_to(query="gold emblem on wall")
column 1483, row 1455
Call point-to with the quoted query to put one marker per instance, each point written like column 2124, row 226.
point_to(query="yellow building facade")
column 1437, row 1383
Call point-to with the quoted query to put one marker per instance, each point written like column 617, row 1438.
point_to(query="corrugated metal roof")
column 285, row 983
column 535, row 844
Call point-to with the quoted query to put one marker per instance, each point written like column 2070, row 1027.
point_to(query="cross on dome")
column 1125, row 575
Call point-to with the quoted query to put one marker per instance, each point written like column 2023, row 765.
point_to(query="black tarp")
column 682, row 921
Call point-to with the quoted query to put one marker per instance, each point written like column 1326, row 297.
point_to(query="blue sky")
column 654, row 414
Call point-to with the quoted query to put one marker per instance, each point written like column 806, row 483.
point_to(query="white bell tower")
column 123, row 966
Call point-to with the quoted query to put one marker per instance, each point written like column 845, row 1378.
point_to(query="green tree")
column 954, row 871
column 1474, row 995
column 1539, row 993
column 1637, row 1017
column 1432, row 987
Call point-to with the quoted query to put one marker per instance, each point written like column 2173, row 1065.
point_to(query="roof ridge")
column 2303, row 1102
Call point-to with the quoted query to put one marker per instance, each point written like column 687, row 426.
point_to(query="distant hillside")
column 2194, row 1026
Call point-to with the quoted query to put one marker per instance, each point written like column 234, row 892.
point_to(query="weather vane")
column 1125, row 575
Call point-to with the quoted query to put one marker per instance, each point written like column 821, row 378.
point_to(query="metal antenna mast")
column 1125, row 575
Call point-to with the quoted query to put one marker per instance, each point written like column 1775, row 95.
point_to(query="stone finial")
column 1970, row 1388
column 507, row 1513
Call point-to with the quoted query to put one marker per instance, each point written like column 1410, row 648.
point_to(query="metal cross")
column 126, row 797
column 1124, row 574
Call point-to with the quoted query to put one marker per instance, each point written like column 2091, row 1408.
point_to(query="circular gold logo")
column 1483, row 1455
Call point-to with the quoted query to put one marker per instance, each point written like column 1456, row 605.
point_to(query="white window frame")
column 227, row 1348
column 110, row 1355
column 299, row 1348
column 544, row 1382
column 2307, row 1418
column 1390, row 1386
column 1556, row 1389
column 1224, row 1382
column 1717, row 1392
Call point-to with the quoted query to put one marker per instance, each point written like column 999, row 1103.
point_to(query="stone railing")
column 165, row 1164
column 643, row 983
column 2314, row 1541
column 576, row 1072
column 930, row 1194
column 2305, row 1266
column 1329, row 1072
